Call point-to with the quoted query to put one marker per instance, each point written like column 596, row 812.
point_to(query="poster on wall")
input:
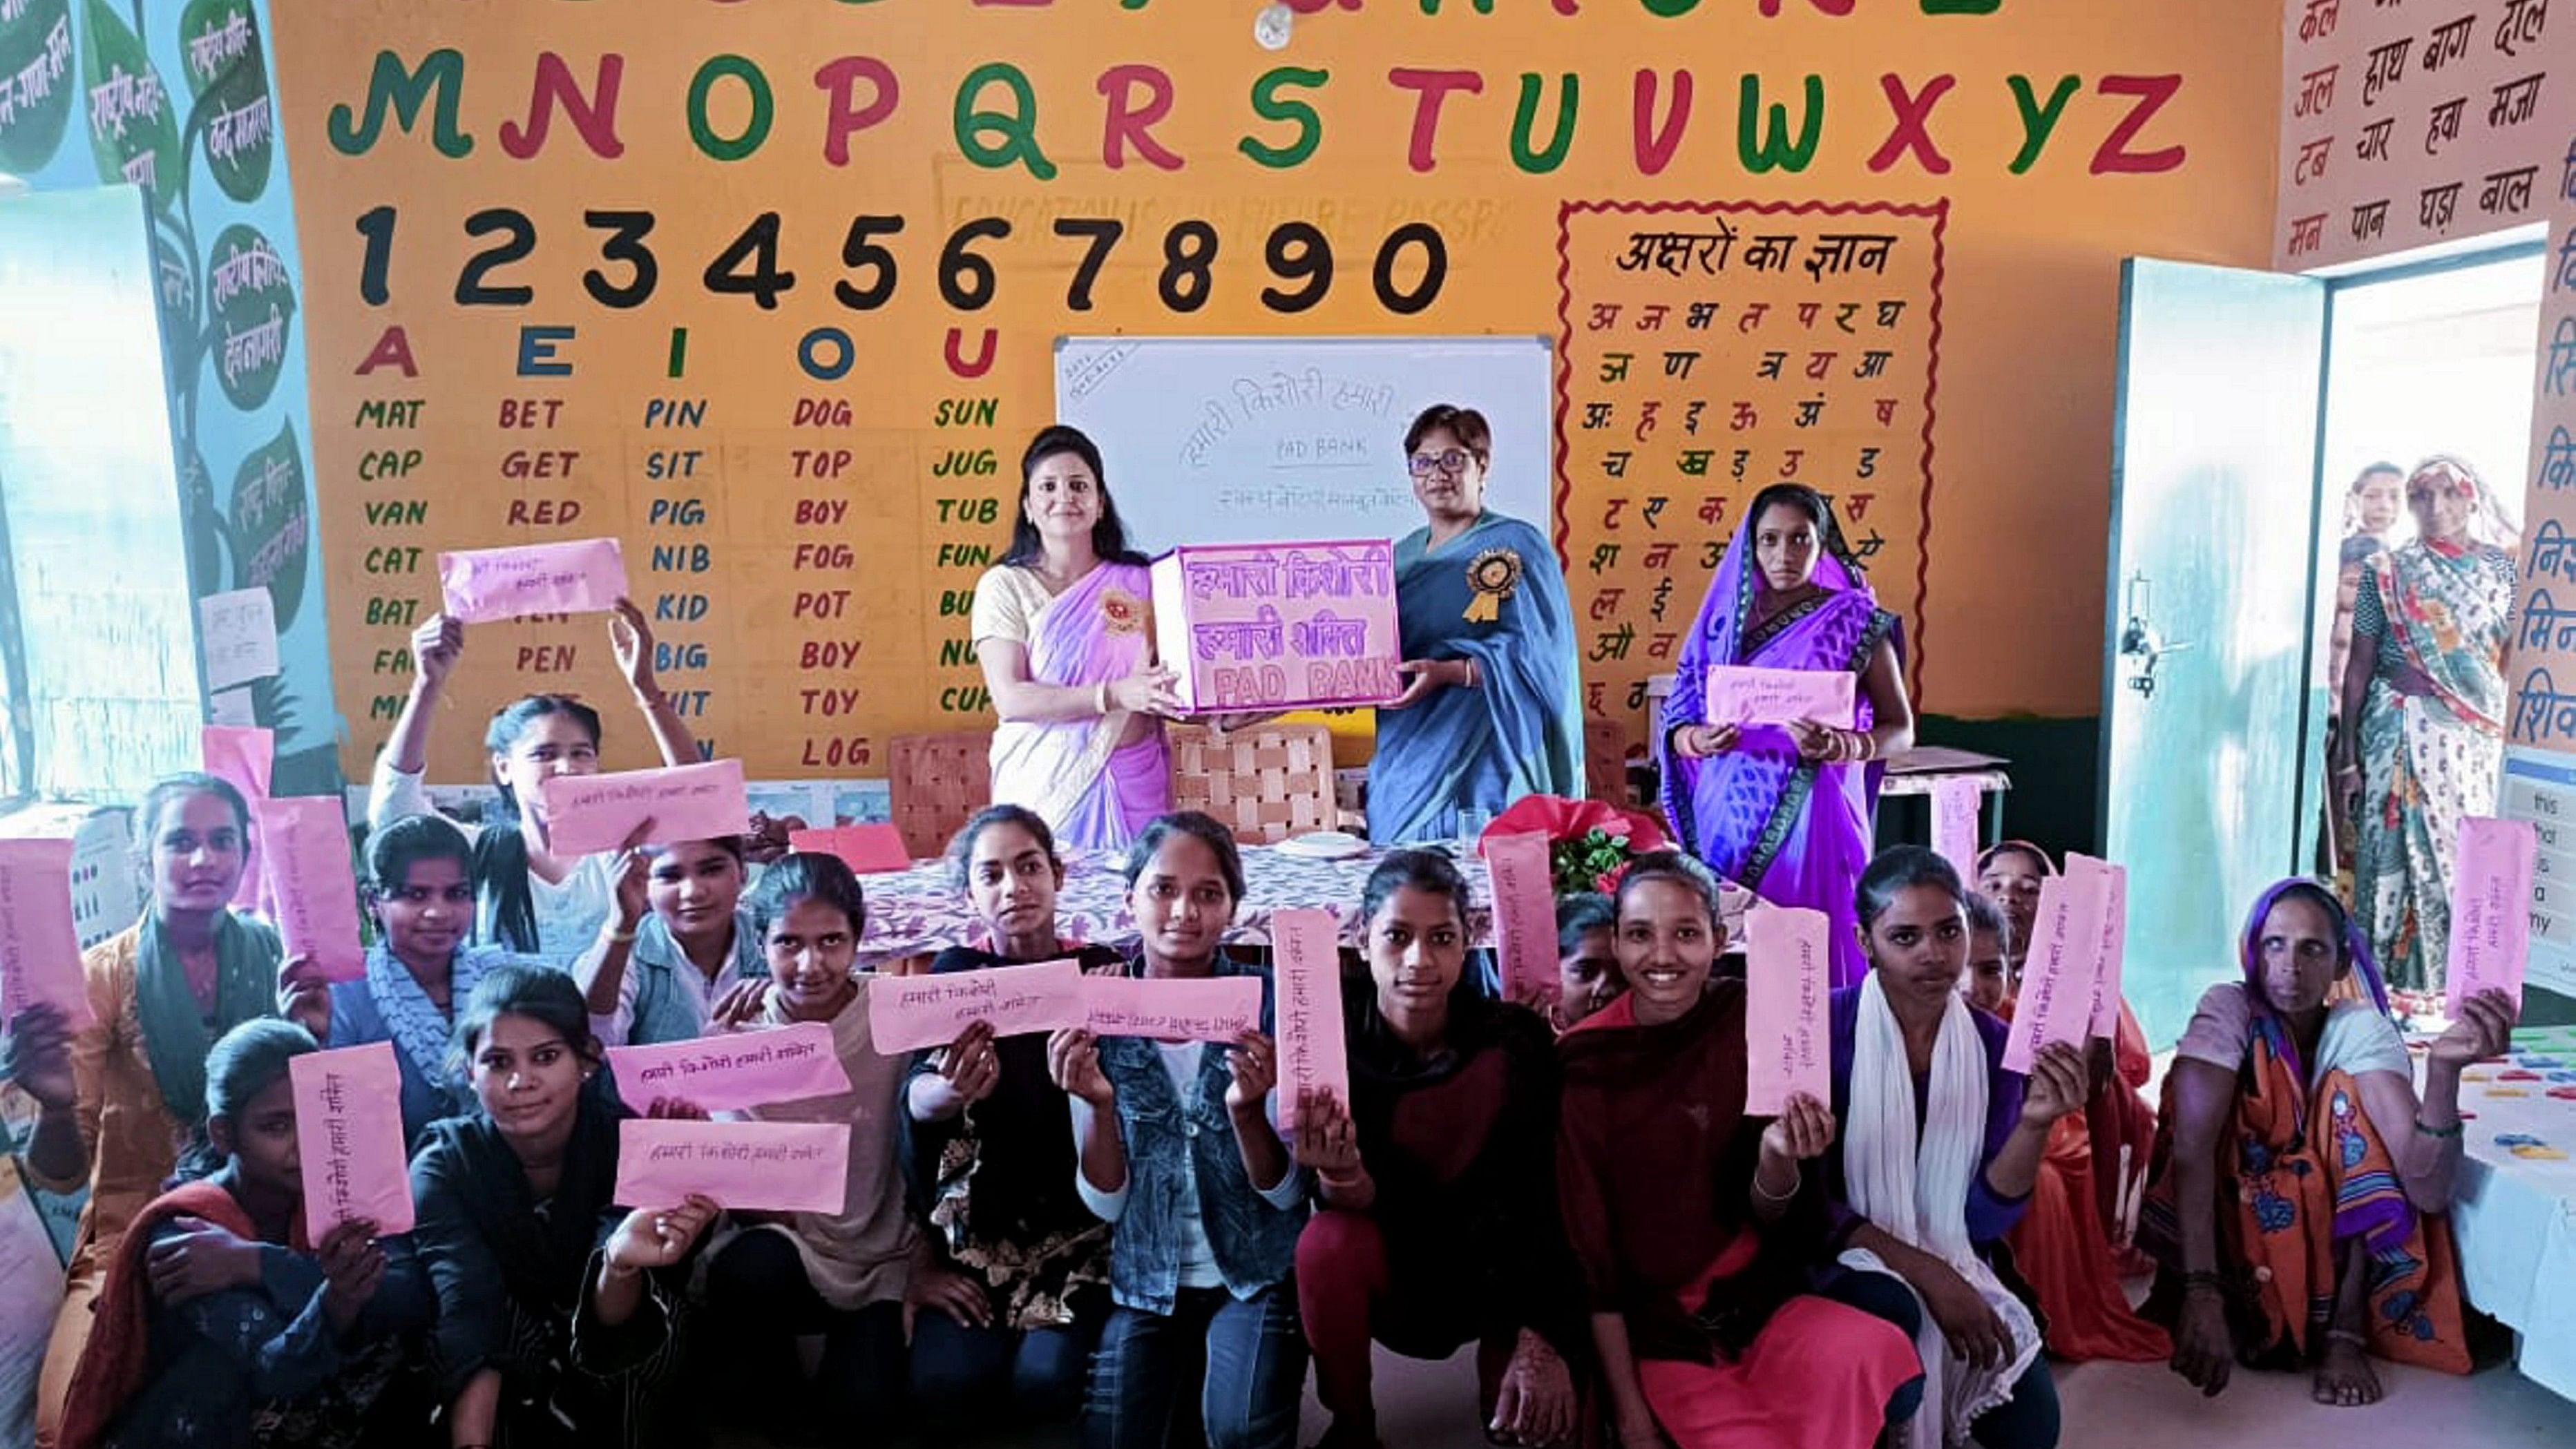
column 2403, row 126
column 773, row 298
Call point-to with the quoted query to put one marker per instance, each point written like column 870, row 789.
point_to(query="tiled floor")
column 2108, row 1406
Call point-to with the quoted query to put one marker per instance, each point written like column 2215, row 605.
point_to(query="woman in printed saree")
column 2299, row 1207
column 1696, row 1229
column 1786, row 812
column 1063, row 625
column 2424, row 694
column 162, row 991
column 1491, row 712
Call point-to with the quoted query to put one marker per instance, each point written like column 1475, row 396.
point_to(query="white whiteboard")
column 1259, row 439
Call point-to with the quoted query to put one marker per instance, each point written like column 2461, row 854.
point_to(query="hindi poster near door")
column 2407, row 125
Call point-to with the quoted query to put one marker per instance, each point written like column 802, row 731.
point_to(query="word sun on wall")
column 768, row 292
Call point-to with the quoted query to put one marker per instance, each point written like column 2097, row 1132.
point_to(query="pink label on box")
column 1787, row 961
column 349, row 1132
column 316, row 888
column 907, row 1013
column 40, row 956
column 585, row 576
column 735, row 1071
column 772, row 1167
column 1278, row 626
column 589, row 813
column 1744, row 694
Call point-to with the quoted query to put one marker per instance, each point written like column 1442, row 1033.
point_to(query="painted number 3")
column 1406, row 275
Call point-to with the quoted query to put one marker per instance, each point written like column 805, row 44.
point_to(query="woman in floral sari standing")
column 2426, row 685
column 1063, row 626
column 1786, row 812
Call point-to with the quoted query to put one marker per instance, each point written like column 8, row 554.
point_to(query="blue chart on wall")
column 177, row 99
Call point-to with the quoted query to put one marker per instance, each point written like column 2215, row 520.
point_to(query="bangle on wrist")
column 1340, row 1184
column 2203, row 1280
column 2445, row 1133
column 2347, row 1335
column 1796, row 1180
column 1100, row 698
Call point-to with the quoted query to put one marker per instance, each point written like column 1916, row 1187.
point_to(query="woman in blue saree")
column 1786, row 811
column 1491, row 711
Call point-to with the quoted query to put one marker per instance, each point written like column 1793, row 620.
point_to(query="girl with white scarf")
column 1940, row 1149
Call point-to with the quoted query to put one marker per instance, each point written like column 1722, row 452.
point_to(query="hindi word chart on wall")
column 2408, row 125
column 1713, row 350
column 2540, row 727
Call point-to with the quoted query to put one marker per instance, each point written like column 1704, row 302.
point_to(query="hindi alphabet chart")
column 2540, row 665
column 2407, row 125
column 1709, row 351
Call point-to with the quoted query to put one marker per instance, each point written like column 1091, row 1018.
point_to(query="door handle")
column 2140, row 641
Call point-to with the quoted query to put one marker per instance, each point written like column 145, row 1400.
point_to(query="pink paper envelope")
column 733, row 1072
column 585, row 576
column 1955, row 803
column 589, row 813
column 1788, row 959
column 866, row 849
column 1524, row 913
column 310, row 875
column 242, row 757
column 40, row 955
column 774, row 1167
column 2056, row 1002
column 1306, row 963
column 349, row 1132
column 1741, row 694
column 2490, row 909
column 2108, row 969
column 907, row 1013
column 1219, row 1009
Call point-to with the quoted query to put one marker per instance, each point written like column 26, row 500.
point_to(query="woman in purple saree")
column 1063, row 626
column 1787, row 812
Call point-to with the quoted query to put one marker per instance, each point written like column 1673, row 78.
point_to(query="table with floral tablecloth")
column 923, row 910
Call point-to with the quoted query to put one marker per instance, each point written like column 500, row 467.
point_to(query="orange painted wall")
column 2029, row 303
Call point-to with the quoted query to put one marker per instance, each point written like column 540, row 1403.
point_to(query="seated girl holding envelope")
column 856, row 1277
column 1177, row 1153
column 161, row 991
column 420, row 885
column 1695, row 1225
column 677, row 941
column 999, row 1178
column 527, row 898
column 307, row 1345
column 1438, row 1181
column 1940, row 1147
column 2299, row 1206
column 559, row 1314
column 1786, row 813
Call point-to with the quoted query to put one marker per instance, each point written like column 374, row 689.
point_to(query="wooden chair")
column 1268, row 783
column 938, row 782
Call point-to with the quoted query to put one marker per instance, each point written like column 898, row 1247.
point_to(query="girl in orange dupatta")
column 2301, row 1186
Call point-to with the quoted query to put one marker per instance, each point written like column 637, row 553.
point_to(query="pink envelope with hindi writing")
column 1742, row 694
column 315, row 887
column 2490, row 909
column 2109, row 965
column 907, row 1013
column 2056, row 1001
column 243, row 757
column 735, row 1071
column 584, row 576
column 585, row 814
column 40, row 955
column 1524, row 914
column 1219, row 1008
column 1788, row 1042
column 1306, row 965
column 773, row 1167
column 871, row 849
column 1955, row 803
column 349, row 1133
